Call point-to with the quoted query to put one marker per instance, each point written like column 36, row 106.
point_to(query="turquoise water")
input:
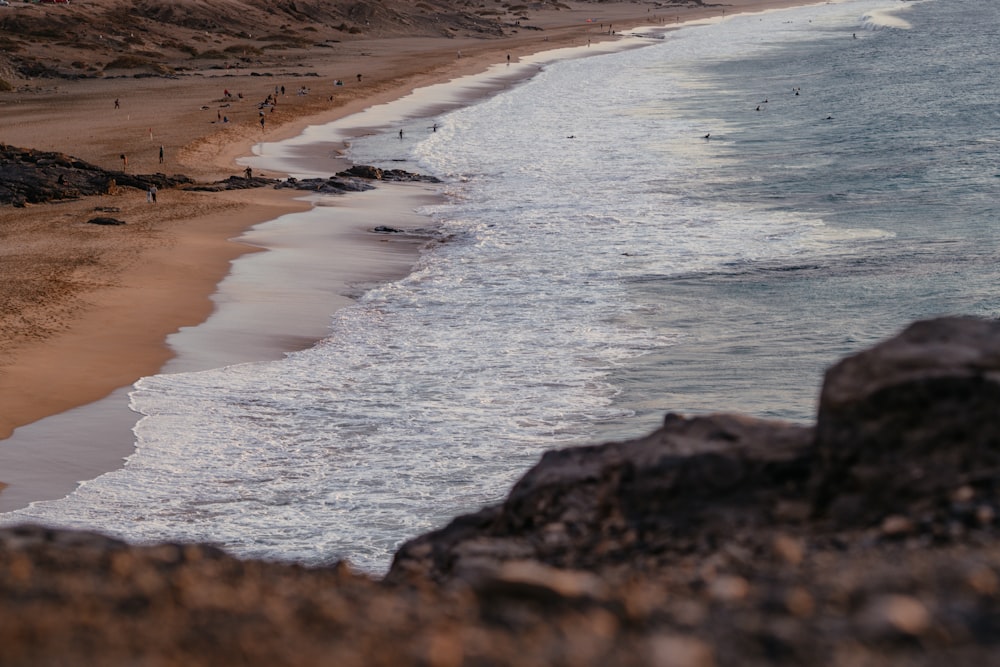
column 602, row 263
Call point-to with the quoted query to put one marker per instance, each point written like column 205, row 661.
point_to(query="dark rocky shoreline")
column 29, row 176
column 870, row 539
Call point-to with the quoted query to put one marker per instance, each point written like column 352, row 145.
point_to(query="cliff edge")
column 868, row 539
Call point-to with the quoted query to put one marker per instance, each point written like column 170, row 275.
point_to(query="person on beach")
column 124, row 160
column 161, row 154
column 117, row 105
column 248, row 172
column 152, row 193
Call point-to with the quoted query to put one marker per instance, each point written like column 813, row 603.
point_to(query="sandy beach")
column 86, row 310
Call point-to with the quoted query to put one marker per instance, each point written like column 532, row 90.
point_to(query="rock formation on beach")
column 868, row 539
column 29, row 176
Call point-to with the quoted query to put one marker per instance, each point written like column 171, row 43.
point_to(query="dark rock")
column 393, row 175
column 362, row 171
column 105, row 221
column 384, row 229
column 333, row 185
column 234, row 183
column 911, row 420
column 33, row 177
column 355, row 179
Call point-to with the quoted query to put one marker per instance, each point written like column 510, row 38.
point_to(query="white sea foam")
column 888, row 18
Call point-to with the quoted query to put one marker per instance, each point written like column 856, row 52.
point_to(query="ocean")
column 702, row 224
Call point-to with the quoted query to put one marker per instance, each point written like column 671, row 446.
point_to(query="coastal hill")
column 102, row 37
column 869, row 538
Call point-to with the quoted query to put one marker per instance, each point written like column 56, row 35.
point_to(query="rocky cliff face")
column 720, row 540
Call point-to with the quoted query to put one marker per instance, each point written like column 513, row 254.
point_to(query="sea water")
column 704, row 224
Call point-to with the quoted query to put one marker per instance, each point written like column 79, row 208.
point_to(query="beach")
column 92, row 307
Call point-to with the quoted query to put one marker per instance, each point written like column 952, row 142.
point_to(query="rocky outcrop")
column 393, row 175
column 356, row 179
column 333, row 185
column 234, row 183
column 32, row 177
column 904, row 425
column 717, row 540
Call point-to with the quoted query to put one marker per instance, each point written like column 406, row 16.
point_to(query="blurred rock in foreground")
column 720, row 540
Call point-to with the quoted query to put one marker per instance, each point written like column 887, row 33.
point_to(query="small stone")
column 900, row 613
column 985, row 515
column 963, row 494
column 896, row 526
column 677, row 651
column 534, row 576
column 983, row 581
column 800, row 602
column 728, row 588
column 788, row 549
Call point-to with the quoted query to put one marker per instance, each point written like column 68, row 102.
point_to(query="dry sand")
column 87, row 309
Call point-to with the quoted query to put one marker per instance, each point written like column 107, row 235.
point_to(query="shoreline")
column 40, row 391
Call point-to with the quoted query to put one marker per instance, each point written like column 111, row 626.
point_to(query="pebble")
column 678, row 651
column 900, row 613
column 896, row 526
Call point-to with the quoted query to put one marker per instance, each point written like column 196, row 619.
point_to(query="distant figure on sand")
column 248, row 172
column 124, row 161
column 117, row 106
column 161, row 154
